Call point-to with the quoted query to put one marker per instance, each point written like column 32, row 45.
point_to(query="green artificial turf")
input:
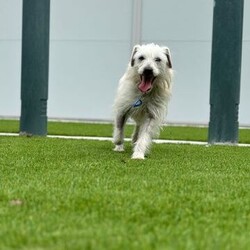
column 94, row 129
column 73, row 194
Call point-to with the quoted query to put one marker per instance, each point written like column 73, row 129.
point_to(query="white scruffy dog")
column 143, row 94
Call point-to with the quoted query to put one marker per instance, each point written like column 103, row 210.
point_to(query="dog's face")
column 150, row 62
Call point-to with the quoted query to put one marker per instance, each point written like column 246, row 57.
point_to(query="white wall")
column 10, row 56
column 90, row 41
column 186, row 27
column 244, row 113
column 90, row 48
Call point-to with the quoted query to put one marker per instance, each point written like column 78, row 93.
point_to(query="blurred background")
column 90, row 46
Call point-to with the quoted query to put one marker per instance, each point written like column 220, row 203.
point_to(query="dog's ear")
column 132, row 60
column 168, row 55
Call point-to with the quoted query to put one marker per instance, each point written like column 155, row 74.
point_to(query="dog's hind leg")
column 135, row 134
column 118, row 134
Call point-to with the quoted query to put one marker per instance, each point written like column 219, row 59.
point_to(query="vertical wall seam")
column 136, row 23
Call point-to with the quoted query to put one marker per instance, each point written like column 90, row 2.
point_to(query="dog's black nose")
column 148, row 71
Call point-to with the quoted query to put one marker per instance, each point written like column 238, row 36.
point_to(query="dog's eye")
column 141, row 58
column 157, row 59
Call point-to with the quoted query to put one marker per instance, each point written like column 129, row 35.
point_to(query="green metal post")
column 225, row 71
column 35, row 61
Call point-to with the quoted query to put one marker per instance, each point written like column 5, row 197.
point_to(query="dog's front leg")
column 118, row 134
column 147, row 131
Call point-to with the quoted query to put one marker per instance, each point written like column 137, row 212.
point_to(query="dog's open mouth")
column 147, row 78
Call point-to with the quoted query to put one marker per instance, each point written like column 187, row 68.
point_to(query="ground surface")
column 76, row 194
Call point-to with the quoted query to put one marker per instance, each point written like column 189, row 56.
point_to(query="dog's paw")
column 119, row 148
column 138, row 155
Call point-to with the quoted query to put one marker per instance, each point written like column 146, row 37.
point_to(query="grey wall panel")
column 84, row 77
column 244, row 112
column 10, row 77
column 190, row 99
column 186, row 28
column 177, row 20
column 246, row 25
column 10, row 56
column 90, row 48
column 91, row 20
column 10, row 19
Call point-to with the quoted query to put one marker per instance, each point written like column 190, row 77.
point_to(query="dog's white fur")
column 146, row 82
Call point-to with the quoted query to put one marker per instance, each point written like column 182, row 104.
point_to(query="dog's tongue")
column 145, row 85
